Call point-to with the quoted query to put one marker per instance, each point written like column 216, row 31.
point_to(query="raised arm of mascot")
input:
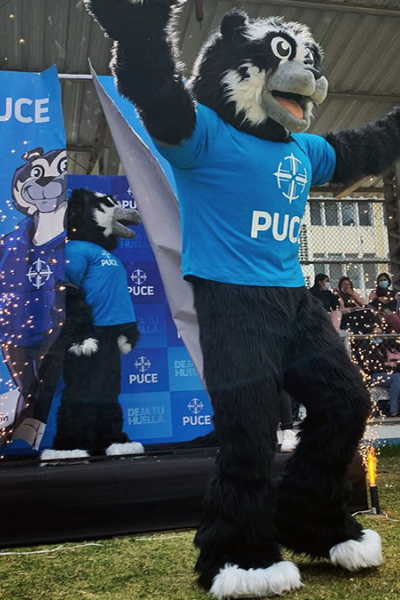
column 235, row 138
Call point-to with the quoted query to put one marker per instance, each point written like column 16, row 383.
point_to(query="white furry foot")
column 234, row 582
column 124, row 346
column 363, row 554
column 123, row 449
column 63, row 454
column 88, row 347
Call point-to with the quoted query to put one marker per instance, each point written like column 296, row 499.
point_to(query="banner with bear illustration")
column 33, row 201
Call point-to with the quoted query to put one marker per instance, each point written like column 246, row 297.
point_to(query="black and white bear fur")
column 89, row 418
column 263, row 77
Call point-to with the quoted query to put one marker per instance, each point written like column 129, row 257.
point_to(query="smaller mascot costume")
column 234, row 136
column 100, row 325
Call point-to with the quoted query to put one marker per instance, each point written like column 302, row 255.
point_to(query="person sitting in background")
column 380, row 366
column 385, row 301
column 322, row 290
column 356, row 316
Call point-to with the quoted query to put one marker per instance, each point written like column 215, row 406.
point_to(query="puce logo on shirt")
column 292, row 180
column 108, row 260
column 291, row 177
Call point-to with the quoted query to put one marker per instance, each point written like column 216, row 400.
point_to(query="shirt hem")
column 236, row 281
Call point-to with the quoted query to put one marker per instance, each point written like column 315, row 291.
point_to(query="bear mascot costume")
column 234, row 136
column 100, row 325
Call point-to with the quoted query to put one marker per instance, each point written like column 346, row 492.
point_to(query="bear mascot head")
column 263, row 77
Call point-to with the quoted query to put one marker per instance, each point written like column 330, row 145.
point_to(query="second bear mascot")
column 100, row 325
column 234, row 135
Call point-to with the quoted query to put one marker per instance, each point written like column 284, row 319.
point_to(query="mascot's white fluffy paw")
column 234, row 582
column 88, row 347
column 124, row 346
column 123, row 449
column 363, row 554
column 63, row 454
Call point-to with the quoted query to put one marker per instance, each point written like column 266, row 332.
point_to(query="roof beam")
column 334, row 6
column 98, row 144
column 360, row 190
column 82, row 149
column 348, row 189
column 363, row 96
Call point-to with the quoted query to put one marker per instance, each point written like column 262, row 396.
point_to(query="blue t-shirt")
column 103, row 279
column 242, row 200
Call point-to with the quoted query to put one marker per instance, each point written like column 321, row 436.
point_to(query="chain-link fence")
column 345, row 237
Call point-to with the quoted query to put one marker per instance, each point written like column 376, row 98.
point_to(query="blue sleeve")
column 322, row 157
column 77, row 260
column 190, row 153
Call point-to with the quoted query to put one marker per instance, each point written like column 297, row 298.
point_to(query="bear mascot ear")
column 233, row 23
column 76, row 211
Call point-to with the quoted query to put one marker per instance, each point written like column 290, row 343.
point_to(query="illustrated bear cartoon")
column 31, row 274
column 100, row 325
column 234, row 136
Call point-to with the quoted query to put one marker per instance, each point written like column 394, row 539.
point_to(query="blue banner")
column 162, row 397
column 33, row 201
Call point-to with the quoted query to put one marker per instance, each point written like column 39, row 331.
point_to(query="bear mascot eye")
column 37, row 172
column 62, row 166
column 281, row 47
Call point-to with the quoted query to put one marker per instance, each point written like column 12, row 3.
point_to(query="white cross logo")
column 142, row 364
column 138, row 277
column 291, row 179
column 195, row 406
column 39, row 273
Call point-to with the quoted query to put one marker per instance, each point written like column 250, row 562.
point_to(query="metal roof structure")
column 361, row 40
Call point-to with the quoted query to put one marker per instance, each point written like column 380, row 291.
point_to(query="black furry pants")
column 256, row 343
column 89, row 416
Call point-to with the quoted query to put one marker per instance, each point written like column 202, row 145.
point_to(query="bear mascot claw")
column 234, row 136
column 100, row 326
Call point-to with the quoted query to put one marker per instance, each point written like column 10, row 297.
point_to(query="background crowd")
column 379, row 315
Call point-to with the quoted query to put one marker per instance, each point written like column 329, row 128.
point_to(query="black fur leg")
column 75, row 426
column 146, row 66
column 241, row 366
column 312, row 515
column 79, row 324
column 369, row 150
column 90, row 417
column 236, row 528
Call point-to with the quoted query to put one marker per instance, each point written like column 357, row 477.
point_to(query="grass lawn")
column 160, row 566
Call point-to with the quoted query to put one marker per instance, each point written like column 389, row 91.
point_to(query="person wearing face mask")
column 386, row 301
column 356, row 316
column 322, row 290
column 380, row 366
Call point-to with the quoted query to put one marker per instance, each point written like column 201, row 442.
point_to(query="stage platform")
column 108, row 497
